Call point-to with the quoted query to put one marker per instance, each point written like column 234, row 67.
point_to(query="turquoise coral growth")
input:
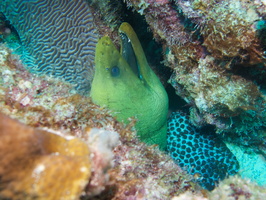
column 199, row 153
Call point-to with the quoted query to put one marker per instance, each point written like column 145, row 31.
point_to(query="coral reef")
column 216, row 50
column 205, row 43
column 228, row 28
column 110, row 12
column 224, row 100
column 199, row 153
column 212, row 46
column 146, row 173
column 59, row 41
column 237, row 188
column 136, row 169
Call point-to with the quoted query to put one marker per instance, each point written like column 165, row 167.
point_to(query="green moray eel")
column 124, row 83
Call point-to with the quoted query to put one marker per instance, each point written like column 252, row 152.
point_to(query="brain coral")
column 199, row 153
column 58, row 37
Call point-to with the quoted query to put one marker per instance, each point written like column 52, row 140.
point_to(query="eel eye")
column 115, row 71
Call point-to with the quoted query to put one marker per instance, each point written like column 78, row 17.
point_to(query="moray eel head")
column 124, row 83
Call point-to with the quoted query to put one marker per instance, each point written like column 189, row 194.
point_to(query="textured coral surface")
column 32, row 159
column 217, row 52
column 236, row 188
column 58, row 38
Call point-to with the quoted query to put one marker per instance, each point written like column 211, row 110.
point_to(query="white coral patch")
column 24, row 84
column 37, row 171
column 102, row 142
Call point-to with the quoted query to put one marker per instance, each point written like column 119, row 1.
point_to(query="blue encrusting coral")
column 58, row 37
column 199, row 153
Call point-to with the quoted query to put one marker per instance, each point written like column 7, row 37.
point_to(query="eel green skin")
column 124, row 83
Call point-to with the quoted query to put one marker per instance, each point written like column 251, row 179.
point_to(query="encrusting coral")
column 31, row 160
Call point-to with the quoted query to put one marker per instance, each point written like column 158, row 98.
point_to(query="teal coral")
column 58, row 38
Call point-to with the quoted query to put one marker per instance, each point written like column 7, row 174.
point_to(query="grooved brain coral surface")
column 199, row 153
column 58, row 37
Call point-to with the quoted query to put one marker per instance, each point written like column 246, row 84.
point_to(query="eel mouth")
column 129, row 55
